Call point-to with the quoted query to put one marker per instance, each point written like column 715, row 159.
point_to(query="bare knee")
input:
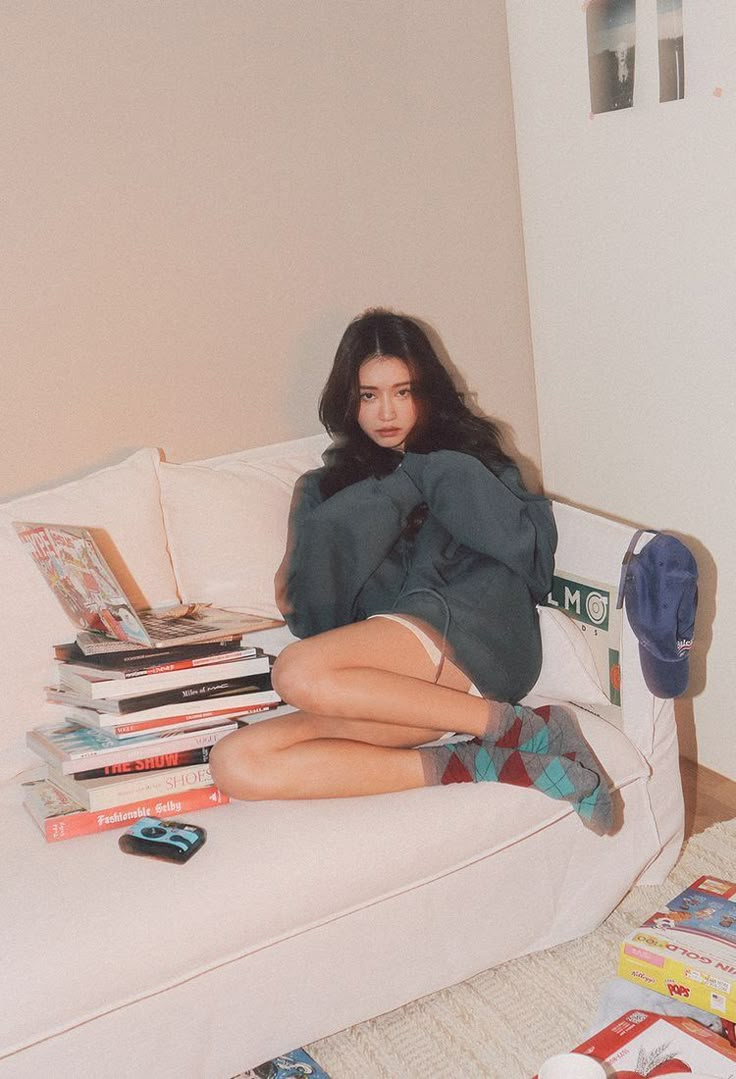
column 301, row 679
column 290, row 674
column 243, row 770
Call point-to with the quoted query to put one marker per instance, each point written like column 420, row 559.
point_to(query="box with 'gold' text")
column 688, row 950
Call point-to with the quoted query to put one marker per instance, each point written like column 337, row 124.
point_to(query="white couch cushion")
column 568, row 669
column 226, row 521
column 288, row 454
column 122, row 501
column 227, row 534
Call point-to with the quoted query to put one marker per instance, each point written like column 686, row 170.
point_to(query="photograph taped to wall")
column 671, row 50
column 611, row 29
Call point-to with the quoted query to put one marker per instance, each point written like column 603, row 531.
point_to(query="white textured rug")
column 503, row 1023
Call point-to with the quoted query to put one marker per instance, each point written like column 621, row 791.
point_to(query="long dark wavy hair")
column 444, row 420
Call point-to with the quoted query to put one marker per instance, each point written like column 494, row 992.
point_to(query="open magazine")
column 80, row 577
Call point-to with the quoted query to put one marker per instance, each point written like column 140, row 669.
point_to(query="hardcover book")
column 161, row 762
column 105, row 792
column 72, row 748
column 176, row 717
column 59, row 817
column 133, row 682
column 256, row 689
column 117, row 662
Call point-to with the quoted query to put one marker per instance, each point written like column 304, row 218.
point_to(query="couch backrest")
column 226, row 520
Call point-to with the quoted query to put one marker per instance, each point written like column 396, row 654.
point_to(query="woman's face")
column 388, row 408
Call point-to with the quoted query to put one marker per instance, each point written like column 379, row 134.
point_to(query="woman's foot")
column 527, row 748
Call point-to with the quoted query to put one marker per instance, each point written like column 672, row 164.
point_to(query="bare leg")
column 361, row 723
column 356, row 721
column 378, row 670
column 293, row 757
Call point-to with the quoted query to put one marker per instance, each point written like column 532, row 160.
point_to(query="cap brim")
column 664, row 678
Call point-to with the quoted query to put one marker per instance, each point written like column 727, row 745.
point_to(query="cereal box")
column 688, row 950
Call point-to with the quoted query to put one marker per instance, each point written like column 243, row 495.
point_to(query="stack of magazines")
column 142, row 696
column 136, row 729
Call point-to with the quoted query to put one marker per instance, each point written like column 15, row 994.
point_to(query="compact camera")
column 168, row 840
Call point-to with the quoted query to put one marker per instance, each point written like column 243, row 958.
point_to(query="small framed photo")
column 671, row 50
column 611, row 31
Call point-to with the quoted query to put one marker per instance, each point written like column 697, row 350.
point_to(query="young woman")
column 415, row 562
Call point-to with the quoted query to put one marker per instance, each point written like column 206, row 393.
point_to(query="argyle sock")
column 586, row 788
column 549, row 729
column 543, row 749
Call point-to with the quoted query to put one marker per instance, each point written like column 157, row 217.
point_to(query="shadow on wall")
column 707, row 591
column 528, row 468
column 687, row 739
column 707, row 586
column 303, row 377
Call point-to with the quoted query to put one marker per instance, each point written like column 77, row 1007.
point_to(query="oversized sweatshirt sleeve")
column 492, row 515
column 336, row 544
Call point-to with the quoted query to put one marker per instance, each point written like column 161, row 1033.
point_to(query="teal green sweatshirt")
column 480, row 563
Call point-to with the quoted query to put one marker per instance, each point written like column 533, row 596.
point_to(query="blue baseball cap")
column 659, row 587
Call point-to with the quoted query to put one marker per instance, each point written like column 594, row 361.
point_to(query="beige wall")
column 629, row 227
column 197, row 197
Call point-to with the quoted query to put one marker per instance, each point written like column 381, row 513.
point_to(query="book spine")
column 183, row 664
column 159, row 763
column 87, row 822
column 129, row 730
column 98, row 644
column 129, row 788
column 224, row 687
column 114, row 752
column 139, row 654
column 100, row 687
column 106, row 712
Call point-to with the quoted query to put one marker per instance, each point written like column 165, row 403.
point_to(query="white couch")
column 296, row 919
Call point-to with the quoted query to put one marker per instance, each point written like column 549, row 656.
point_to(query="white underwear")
column 435, row 656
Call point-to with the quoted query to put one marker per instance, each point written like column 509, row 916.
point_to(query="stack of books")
column 136, row 728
